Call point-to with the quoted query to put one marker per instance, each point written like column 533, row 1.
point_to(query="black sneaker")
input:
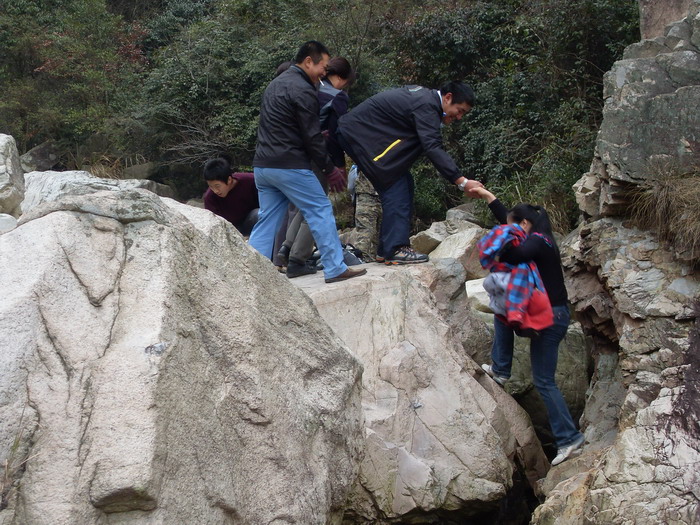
column 406, row 255
column 295, row 269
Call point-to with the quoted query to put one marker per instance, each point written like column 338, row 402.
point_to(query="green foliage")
column 182, row 80
column 433, row 194
column 63, row 68
column 202, row 97
column 537, row 70
column 175, row 17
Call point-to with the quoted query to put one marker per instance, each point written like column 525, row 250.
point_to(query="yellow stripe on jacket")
column 375, row 159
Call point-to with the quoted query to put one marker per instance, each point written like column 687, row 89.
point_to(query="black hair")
column 313, row 49
column 341, row 67
column 537, row 216
column 460, row 92
column 218, row 169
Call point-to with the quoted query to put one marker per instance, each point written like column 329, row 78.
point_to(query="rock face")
column 154, row 369
column 655, row 15
column 43, row 157
column 638, row 300
column 47, row 186
column 11, row 177
column 441, row 438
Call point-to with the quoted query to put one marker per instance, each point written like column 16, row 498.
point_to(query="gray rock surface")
column 11, row 179
column 154, row 369
column 49, row 186
column 441, row 436
column 649, row 118
column 638, row 302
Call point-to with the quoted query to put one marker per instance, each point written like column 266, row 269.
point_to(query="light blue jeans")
column 544, row 351
column 276, row 189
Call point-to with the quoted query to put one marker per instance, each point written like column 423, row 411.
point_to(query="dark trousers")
column 397, row 208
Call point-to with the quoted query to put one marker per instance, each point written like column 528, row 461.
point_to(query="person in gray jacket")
column 385, row 135
column 289, row 138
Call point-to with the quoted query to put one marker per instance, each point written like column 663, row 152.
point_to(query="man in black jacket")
column 289, row 138
column 385, row 135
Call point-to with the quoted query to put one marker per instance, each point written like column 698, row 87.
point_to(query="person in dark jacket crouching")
column 289, row 138
column 385, row 134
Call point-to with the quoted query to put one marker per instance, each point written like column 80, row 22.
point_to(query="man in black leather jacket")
column 385, row 135
column 289, row 138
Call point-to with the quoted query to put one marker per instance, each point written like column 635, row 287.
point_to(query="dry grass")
column 106, row 165
column 14, row 462
column 670, row 206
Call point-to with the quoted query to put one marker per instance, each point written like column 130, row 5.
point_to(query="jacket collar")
column 300, row 71
column 442, row 111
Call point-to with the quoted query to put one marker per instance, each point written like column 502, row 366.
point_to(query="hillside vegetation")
column 122, row 82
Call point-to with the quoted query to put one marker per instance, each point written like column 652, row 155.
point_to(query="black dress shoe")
column 283, row 254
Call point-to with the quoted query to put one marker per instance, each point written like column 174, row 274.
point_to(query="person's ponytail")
column 544, row 226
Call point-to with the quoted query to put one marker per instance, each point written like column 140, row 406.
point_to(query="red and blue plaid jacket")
column 525, row 278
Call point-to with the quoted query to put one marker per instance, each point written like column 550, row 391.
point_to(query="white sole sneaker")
column 498, row 379
column 566, row 452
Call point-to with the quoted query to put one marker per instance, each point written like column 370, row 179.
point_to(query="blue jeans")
column 276, row 189
column 544, row 351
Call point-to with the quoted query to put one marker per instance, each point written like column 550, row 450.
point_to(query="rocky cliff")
column 155, row 370
column 635, row 288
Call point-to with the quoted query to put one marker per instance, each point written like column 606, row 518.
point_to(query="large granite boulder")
column 48, row 186
column 442, row 440
column 155, row 369
column 11, row 177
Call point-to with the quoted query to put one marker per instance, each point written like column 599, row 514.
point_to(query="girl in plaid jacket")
column 539, row 247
